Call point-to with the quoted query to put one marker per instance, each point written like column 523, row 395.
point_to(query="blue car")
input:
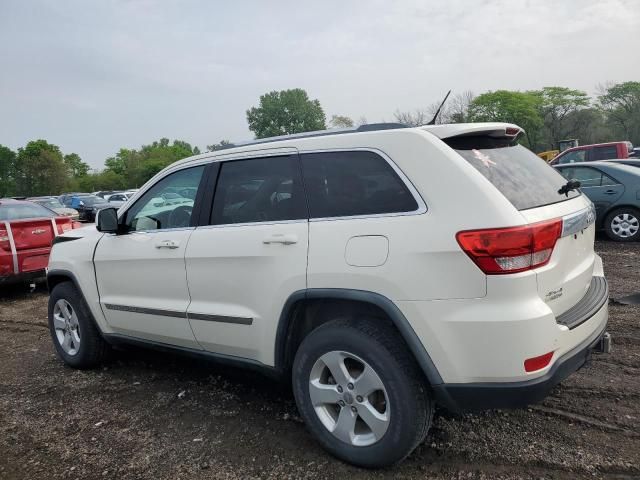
column 614, row 189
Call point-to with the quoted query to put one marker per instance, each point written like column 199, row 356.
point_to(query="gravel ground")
column 152, row 415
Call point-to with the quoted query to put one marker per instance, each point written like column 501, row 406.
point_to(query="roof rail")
column 371, row 127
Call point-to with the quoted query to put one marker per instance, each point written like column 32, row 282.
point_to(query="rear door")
column 249, row 256
column 141, row 274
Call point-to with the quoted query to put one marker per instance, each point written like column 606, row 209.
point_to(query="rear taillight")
column 510, row 250
column 4, row 241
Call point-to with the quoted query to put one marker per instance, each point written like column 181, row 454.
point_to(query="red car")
column 592, row 153
column 26, row 233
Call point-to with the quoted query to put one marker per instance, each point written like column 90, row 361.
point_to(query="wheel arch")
column 57, row 276
column 298, row 304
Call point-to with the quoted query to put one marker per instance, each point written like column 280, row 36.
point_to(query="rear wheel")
column 623, row 224
column 75, row 337
column 361, row 395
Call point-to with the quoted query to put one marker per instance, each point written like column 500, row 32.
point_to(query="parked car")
column 614, row 189
column 117, row 199
column 380, row 269
column 631, row 161
column 87, row 206
column 65, row 198
column 53, row 203
column 595, row 152
column 26, row 232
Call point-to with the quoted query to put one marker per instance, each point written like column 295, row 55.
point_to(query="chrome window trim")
column 578, row 221
column 246, row 224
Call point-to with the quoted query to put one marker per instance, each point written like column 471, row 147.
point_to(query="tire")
column 407, row 407
column 623, row 224
column 70, row 318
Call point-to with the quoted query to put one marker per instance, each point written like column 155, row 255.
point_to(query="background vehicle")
column 53, row 203
column 26, row 232
column 614, row 189
column 375, row 267
column 631, row 161
column 117, row 199
column 592, row 153
column 65, row 198
column 87, row 205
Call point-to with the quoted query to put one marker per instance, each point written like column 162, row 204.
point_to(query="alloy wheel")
column 67, row 328
column 349, row 398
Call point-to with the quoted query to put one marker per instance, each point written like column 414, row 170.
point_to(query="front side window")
column 258, row 190
column 344, row 184
column 160, row 208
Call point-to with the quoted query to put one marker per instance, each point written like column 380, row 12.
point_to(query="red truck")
column 27, row 231
column 597, row 151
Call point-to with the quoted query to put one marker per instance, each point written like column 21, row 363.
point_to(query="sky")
column 94, row 77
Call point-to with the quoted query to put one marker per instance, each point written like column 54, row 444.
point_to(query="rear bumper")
column 24, row 277
column 483, row 396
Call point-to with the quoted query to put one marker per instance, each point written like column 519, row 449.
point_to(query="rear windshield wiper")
column 569, row 186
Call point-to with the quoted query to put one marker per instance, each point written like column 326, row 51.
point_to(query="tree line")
column 547, row 115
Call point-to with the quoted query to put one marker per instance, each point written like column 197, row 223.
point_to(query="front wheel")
column 75, row 336
column 623, row 224
column 360, row 393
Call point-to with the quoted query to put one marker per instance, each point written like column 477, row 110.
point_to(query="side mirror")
column 107, row 220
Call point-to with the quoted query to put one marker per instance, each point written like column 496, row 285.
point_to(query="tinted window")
column 588, row 177
column 17, row 211
column 153, row 211
column 341, row 184
column 607, row 180
column 522, row 177
column 258, row 190
column 572, row 157
column 603, row 153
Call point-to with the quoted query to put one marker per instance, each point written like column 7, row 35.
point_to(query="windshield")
column 50, row 203
column 17, row 211
column 525, row 179
column 92, row 200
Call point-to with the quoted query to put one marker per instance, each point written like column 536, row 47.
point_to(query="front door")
column 141, row 274
column 244, row 265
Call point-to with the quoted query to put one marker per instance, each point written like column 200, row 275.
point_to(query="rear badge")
column 38, row 231
column 553, row 294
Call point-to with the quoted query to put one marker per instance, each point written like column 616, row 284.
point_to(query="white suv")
column 381, row 269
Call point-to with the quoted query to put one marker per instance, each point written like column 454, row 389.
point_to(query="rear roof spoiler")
column 493, row 129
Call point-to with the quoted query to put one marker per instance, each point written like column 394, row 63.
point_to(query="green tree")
column 285, row 112
column 40, row 169
column 621, row 105
column 521, row 108
column 76, row 166
column 137, row 166
column 557, row 105
column 7, row 171
column 340, row 121
column 219, row 146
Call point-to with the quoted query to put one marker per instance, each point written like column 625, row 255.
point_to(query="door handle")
column 610, row 192
column 288, row 239
column 171, row 244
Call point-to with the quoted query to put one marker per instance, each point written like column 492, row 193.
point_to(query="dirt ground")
column 152, row 415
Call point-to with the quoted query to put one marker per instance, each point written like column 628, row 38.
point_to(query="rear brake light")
column 537, row 363
column 66, row 227
column 4, row 240
column 510, row 250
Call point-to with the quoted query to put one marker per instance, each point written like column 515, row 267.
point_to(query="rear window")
column 525, row 179
column 18, row 211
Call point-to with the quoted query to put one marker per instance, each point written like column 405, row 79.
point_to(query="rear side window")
column 522, row 177
column 604, row 153
column 259, row 190
column 344, row 184
column 588, row 177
